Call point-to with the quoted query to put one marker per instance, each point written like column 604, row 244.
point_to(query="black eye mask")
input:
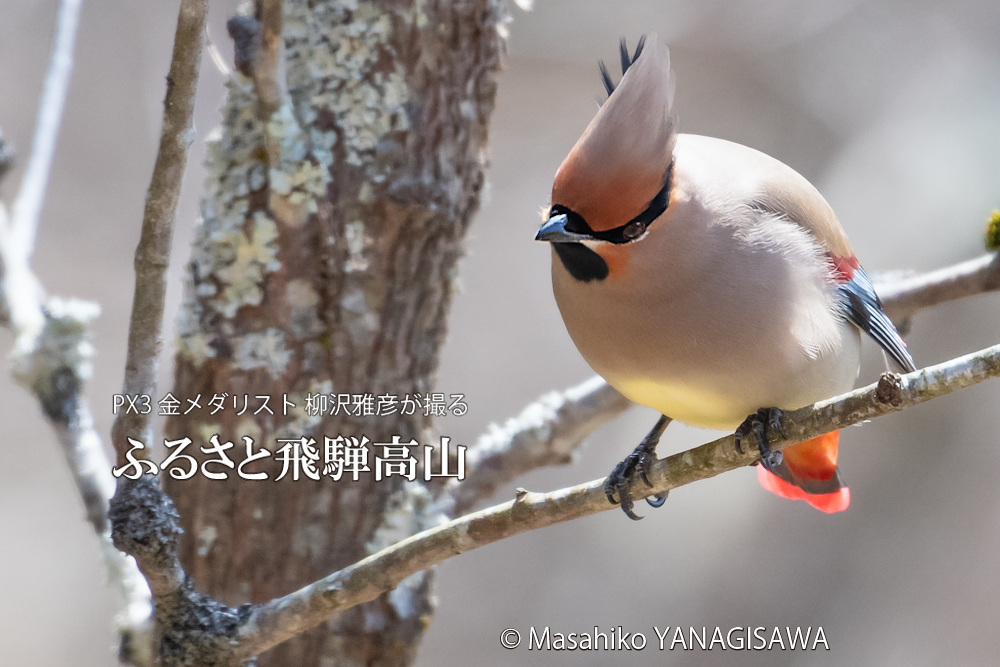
column 632, row 229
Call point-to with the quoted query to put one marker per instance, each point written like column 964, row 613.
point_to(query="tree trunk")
column 325, row 264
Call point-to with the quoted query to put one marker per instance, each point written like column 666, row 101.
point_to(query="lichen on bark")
column 325, row 262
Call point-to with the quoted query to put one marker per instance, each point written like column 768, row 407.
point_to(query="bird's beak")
column 554, row 230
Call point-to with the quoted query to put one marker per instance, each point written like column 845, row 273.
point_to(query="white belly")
column 718, row 325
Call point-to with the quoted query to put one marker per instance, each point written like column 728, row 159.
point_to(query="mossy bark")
column 325, row 263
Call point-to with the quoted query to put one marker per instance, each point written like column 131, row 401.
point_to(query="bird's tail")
column 809, row 472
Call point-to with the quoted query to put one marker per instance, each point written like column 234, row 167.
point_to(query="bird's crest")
column 622, row 162
column 626, row 62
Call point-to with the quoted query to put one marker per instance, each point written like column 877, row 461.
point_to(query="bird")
column 708, row 281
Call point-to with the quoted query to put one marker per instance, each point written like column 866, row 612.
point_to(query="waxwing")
column 708, row 281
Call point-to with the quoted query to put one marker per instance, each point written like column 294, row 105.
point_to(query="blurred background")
column 891, row 107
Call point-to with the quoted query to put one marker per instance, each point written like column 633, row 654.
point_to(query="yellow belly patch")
column 691, row 405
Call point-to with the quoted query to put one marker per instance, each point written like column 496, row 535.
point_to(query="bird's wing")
column 795, row 199
column 862, row 306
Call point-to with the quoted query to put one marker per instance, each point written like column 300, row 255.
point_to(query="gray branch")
column 547, row 432
column 152, row 256
column 22, row 297
column 52, row 356
column 902, row 298
column 31, row 195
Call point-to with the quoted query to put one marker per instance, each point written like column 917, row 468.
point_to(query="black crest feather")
column 609, row 85
column 623, row 54
column 626, row 61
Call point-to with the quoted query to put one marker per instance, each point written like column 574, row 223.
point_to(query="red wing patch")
column 844, row 267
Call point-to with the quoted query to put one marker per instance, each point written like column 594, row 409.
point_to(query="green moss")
column 993, row 231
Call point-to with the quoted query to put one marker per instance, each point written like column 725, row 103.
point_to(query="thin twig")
column 23, row 296
column 903, row 298
column 152, row 255
column 286, row 617
column 31, row 195
column 216, row 55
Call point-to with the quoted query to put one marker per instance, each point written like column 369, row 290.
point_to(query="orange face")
column 605, row 200
column 615, row 256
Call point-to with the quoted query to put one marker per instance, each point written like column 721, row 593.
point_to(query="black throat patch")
column 582, row 263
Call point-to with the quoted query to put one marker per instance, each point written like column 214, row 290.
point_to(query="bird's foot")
column 762, row 423
column 639, row 461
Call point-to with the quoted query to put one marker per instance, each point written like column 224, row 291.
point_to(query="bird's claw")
column 639, row 462
column 761, row 424
column 658, row 499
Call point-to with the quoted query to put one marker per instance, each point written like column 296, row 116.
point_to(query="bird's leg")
column 761, row 423
column 639, row 461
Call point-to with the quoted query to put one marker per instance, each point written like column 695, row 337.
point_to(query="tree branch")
column 55, row 371
column 22, row 296
column 547, row 432
column 52, row 357
column 285, row 617
column 31, row 195
column 903, row 298
column 152, row 256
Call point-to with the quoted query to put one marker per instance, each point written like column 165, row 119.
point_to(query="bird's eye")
column 633, row 230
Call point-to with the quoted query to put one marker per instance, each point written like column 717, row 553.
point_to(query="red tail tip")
column 825, row 502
